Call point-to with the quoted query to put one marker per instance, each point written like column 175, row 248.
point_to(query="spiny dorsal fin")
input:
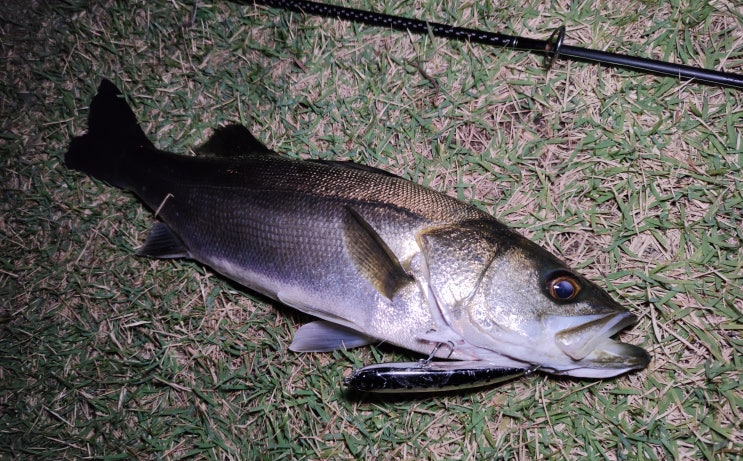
column 372, row 257
column 163, row 243
column 233, row 141
column 354, row 166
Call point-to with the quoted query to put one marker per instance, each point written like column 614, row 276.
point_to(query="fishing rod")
column 553, row 48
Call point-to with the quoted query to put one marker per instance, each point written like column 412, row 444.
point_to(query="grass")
column 636, row 180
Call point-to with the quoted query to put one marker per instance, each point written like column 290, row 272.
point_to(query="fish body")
column 376, row 257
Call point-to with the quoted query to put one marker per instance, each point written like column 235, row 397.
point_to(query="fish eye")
column 564, row 287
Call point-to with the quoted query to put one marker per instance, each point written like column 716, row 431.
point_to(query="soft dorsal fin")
column 372, row 257
column 233, row 141
column 163, row 243
column 354, row 166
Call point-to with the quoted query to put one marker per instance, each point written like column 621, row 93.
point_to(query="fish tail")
column 113, row 136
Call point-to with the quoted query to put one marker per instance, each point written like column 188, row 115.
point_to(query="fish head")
column 509, row 296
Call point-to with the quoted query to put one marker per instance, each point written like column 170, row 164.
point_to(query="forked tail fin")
column 113, row 135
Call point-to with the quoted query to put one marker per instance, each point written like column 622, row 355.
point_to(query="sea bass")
column 376, row 257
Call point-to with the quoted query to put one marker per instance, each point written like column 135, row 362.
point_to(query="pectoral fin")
column 322, row 336
column 163, row 243
column 372, row 257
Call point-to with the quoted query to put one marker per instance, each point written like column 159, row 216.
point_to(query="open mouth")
column 591, row 342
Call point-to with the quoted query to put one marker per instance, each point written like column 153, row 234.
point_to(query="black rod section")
column 552, row 49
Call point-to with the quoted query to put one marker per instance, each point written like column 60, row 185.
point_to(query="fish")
column 375, row 258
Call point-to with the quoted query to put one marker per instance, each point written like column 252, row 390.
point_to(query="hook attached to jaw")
column 427, row 361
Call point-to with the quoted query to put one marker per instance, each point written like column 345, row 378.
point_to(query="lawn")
column 636, row 180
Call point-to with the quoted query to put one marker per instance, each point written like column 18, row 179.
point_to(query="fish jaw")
column 578, row 346
column 619, row 358
column 591, row 351
column 578, row 341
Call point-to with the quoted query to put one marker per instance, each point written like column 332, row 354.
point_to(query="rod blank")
column 552, row 48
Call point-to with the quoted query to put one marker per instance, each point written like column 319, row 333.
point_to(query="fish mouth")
column 595, row 353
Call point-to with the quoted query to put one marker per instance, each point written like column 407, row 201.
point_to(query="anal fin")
column 322, row 336
column 163, row 243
